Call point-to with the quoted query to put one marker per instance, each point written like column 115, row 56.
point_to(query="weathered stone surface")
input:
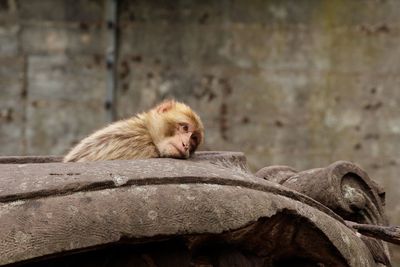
column 71, row 81
column 12, row 109
column 49, row 208
column 346, row 189
column 76, row 39
column 28, row 159
column 62, row 10
column 9, row 40
column 65, row 77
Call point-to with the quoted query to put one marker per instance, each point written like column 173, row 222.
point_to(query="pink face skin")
column 182, row 144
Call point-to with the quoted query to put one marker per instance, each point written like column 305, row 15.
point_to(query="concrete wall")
column 300, row 83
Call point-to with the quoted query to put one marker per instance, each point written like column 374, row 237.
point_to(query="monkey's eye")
column 184, row 127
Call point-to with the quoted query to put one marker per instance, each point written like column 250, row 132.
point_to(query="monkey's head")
column 176, row 129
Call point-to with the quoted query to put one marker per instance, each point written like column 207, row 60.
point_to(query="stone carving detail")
column 342, row 186
column 206, row 211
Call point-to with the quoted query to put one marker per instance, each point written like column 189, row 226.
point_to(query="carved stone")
column 206, row 211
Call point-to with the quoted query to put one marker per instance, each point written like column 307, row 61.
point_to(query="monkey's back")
column 126, row 139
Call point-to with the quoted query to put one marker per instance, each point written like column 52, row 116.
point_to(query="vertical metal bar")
column 111, row 58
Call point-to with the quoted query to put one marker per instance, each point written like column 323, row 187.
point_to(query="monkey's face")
column 181, row 142
column 176, row 129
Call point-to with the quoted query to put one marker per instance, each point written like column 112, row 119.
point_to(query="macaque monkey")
column 171, row 129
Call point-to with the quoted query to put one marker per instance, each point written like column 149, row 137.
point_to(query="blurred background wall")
column 298, row 83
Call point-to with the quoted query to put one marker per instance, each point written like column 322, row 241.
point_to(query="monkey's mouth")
column 182, row 153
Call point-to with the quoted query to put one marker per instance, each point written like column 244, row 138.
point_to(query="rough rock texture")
column 342, row 186
column 209, row 210
column 346, row 189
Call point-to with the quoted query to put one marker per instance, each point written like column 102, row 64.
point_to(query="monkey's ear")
column 165, row 106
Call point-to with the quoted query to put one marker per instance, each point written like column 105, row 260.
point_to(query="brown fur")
column 139, row 137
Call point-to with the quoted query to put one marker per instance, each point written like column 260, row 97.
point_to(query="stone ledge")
column 49, row 210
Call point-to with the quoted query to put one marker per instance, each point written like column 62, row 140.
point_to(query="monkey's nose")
column 185, row 146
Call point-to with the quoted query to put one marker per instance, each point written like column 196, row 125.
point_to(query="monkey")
column 171, row 129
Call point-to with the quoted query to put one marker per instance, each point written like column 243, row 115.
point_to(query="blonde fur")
column 138, row 137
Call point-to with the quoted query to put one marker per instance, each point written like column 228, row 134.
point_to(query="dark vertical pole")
column 111, row 58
